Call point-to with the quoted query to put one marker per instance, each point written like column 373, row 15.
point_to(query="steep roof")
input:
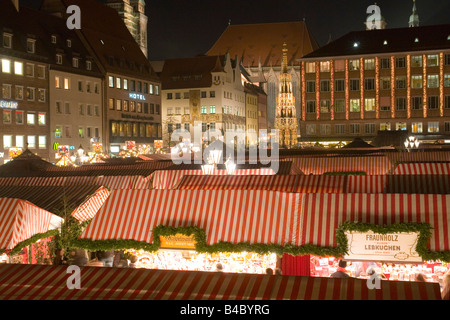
column 262, row 43
column 190, row 72
column 108, row 37
column 387, row 41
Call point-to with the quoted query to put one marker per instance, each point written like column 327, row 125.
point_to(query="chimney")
column 16, row 4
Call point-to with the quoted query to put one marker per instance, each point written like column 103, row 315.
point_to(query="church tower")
column 414, row 18
column 133, row 15
column 285, row 114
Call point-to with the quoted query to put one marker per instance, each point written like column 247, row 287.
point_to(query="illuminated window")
column 125, row 84
column 385, row 126
column 400, row 126
column 433, row 127
column 111, row 81
column 6, row 66
column 111, row 103
column 31, row 118
column 416, row 82
column 30, row 93
column 369, row 64
column 7, row 141
column 139, row 107
column 58, row 83
column 212, row 109
column 310, row 67
column 66, row 84
column 203, row 109
column 20, row 141
column 42, row 118
column 339, row 65
column 433, row 81
column 118, row 104
column 355, row 105
column 447, row 80
column 58, row 132
column 41, row 95
column 353, row 65
column 416, row 127
column 31, row 141
column 369, row 104
column 324, row 106
column 416, row 61
column 42, row 142
column 80, row 132
column 432, row 60
column 118, row 83
column 325, row 66
column 400, row 82
column 6, row 91
column 18, row 68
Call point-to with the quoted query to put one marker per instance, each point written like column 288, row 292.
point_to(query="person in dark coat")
column 341, row 272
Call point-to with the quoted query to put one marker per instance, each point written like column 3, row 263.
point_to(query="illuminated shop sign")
column 136, row 96
column 8, row 104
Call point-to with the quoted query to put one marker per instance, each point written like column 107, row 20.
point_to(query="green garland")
column 339, row 251
column 30, row 241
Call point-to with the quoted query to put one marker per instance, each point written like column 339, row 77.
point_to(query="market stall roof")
column 423, row 168
column 30, row 282
column 89, row 208
column 420, row 184
column 254, row 216
column 322, row 214
column 371, row 165
column 20, row 220
column 51, row 198
column 26, row 164
column 358, row 143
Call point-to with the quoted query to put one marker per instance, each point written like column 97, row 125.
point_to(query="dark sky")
column 185, row 28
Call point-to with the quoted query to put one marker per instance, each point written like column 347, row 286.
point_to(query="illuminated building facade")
column 367, row 81
column 286, row 115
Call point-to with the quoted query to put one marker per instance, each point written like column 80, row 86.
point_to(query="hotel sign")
column 392, row 247
column 8, row 104
column 136, row 96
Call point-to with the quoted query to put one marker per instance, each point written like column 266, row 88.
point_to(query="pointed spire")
column 285, row 62
column 414, row 18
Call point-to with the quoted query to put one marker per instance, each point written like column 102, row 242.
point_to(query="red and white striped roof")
column 321, row 214
column 253, row 216
column 423, row 168
column 42, row 282
column 371, row 165
column 20, row 220
column 89, row 208
column 168, row 179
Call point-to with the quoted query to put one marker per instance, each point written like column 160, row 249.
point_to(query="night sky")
column 186, row 28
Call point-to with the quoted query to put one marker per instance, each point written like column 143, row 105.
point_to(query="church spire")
column 414, row 18
column 285, row 60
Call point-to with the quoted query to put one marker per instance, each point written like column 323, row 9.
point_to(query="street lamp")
column 230, row 166
column 411, row 143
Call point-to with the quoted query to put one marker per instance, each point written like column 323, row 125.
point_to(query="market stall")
column 22, row 223
column 27, row 282
column 422, row 168
column 91, row 205
column 209, row 222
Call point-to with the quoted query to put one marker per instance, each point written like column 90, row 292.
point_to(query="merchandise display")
column 243, row 262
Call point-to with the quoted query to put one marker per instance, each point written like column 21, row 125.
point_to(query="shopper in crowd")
column 446, row 286
column 107, row 257
column 269, row 271
column 59, row 258
column 96, row 261
column 133, row 260
column 219, row 267
column 78, row 257
column 420, row 277
column 341, row 272
column 278, row 271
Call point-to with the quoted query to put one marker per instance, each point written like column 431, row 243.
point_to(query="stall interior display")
column 167, row 259
column 432, row 271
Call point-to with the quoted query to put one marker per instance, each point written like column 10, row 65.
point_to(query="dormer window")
column 69, row 43
column 31, row 45
column 53, row 39
column 75, row 62
column 88, row 65
column 7, row 40
column 59, row 59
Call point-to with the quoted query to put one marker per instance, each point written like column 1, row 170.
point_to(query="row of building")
column 95, row 85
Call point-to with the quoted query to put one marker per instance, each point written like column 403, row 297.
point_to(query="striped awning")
column 321, row 214
column 425, row 156
column 20, row 220
column 169, row 179
column 88, row 209
column 254, row 216
column 371, row 165
column 41, row 282
column 423, row 168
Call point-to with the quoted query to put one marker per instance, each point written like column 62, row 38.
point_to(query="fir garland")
column 30, row 241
